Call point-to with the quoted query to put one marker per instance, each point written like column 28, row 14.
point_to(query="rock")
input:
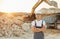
column 26, row 26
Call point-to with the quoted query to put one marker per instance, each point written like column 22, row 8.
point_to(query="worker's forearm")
column 43, row 29
column 35, row 29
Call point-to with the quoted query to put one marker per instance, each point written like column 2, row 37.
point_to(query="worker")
column 38, row 26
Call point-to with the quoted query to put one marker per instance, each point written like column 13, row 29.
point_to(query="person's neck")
column 38, row 19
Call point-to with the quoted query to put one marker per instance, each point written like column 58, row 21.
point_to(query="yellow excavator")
column 51, row 3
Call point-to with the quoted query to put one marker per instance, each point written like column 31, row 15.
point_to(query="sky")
column 21, row 5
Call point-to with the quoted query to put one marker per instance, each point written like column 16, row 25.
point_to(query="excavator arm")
column 40, row 1
column 36, row 5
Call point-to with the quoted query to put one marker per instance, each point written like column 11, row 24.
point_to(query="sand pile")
column 11, row 27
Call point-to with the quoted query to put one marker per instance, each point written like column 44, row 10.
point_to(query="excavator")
column 51, row 3
column 31, row 16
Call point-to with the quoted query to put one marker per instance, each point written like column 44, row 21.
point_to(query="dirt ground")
column 49, row 34
column 52, row 34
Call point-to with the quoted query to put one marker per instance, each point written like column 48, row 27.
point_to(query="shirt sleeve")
column 44, row 24
column 32, row 23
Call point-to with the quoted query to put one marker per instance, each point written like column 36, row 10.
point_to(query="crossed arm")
column 34, row 29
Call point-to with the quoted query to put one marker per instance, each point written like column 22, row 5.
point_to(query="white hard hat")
column 38, row 12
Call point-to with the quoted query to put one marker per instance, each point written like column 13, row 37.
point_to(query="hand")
column 37, row 29
column 34, row 29
column 43, row 29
